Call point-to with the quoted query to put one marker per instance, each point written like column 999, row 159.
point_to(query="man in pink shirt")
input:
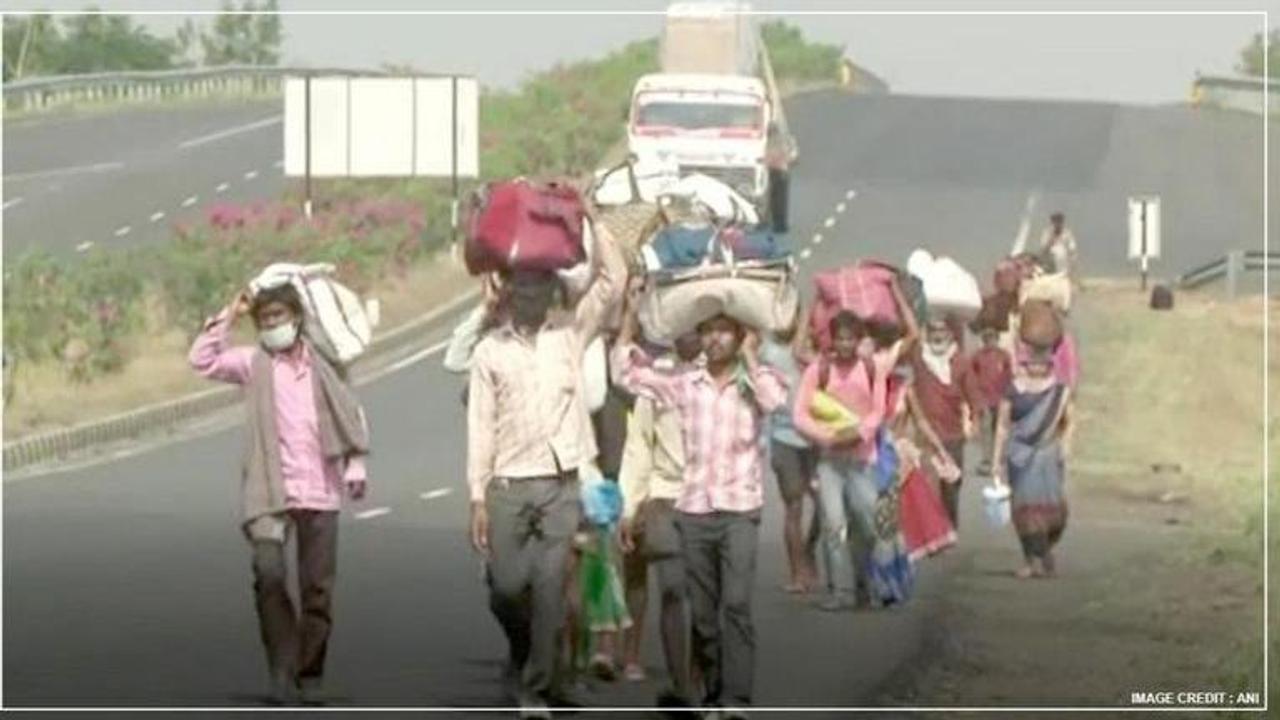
column 307, row 444
column 723, row 409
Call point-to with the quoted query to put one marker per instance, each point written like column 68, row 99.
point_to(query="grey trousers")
column 531, row 526
column 720, row 565
column 296, row 645
column 665, row 559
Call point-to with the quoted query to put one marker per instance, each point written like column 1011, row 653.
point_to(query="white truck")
column 714, row 109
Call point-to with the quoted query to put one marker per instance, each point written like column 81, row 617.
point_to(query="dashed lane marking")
column 817, row 238
column 438, row 493
column 157, row 216
column 829, row 223
column 122, row 231
column 222, row 187
column 190, row 201
column 251, row 175
column 10, row 203
column 805, row 254
column 84, row 246
column 375, row 512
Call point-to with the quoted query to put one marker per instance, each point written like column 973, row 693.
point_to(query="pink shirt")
column 853, row 387
column 1066, row 362
column 722, row 429
column 310, row 483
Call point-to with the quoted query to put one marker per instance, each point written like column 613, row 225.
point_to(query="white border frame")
column 1266, row 320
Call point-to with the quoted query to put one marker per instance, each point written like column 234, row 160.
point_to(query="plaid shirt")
column 722, row 428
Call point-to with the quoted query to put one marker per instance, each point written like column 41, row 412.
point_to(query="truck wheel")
column 779, row 200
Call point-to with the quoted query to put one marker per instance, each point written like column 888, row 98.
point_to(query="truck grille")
column 739, row 178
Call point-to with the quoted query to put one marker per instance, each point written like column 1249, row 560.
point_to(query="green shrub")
column 559, row 122
column 796, row 60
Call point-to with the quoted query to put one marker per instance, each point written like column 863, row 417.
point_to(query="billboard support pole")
column 1145, row 259
column 306, row 94
column 453, row 170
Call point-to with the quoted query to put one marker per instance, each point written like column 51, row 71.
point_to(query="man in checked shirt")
column 723, row 408
column 528, row 433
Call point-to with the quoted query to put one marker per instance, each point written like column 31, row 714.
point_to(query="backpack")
column 337, row 322
column 1161, row 298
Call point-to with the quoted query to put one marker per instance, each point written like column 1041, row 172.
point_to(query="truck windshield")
column 698, row 116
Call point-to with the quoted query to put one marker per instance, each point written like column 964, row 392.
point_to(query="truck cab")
column 712, row 124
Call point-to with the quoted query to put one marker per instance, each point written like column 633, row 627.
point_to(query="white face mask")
column 939, row 347
column 280, row 337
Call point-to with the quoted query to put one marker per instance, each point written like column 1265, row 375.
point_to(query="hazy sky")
column 1131, row 59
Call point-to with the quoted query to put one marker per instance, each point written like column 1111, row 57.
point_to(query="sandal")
column 602, row 667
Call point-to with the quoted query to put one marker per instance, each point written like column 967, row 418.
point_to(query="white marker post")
column 1144, row 231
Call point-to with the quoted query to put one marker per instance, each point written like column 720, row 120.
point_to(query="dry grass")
column 1181, row 388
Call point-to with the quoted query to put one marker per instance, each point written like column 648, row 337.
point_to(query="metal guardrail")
column 1243, row 93
column 47, row 93
column 1231, row 266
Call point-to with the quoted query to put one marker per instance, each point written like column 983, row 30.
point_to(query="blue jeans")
column 846, row 487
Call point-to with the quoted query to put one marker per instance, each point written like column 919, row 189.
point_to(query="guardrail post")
column 1235, row 265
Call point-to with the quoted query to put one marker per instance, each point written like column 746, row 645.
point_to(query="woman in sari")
column 1033, row 437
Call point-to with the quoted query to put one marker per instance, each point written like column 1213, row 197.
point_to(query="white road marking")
column 222, row 188
column 817, row 238
column 73, row 170
column 375, row 512
column 190, row 201
column 10, row 203
column 122, row 231
column 251, row 175
column 1024, row 224
column 418, row 356
column 212, row 137
column 805, row 254
column 841, row 207
column 432, row 495
column 157, row 216
column 829, row 223
column 84, row 246
column 850, row 195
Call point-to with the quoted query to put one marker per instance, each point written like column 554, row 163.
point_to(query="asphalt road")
column 128, row 583
column 119, row 179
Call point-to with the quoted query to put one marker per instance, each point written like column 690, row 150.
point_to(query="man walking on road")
column 528, row 433
column 1058, row 244
column 307, row 440
column 723, row 409
column 651, row 478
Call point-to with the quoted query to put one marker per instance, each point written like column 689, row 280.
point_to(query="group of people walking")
column 688, row 434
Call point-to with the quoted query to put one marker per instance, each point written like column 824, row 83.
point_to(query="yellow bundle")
column 832, row 413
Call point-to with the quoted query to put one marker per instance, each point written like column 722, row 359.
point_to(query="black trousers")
column 295, row 642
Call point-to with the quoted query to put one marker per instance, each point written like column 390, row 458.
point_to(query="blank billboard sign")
column 382, row 127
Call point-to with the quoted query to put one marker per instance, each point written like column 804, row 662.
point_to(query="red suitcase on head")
column 521, row 225
column 865, row 289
